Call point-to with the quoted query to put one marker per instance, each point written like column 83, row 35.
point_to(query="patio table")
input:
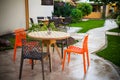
column 49, row 38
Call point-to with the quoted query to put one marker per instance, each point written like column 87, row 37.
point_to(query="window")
column 47, row 2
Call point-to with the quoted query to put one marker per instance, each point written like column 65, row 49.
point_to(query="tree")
column 86, row 8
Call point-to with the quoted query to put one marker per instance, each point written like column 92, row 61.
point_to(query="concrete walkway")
column 99, row 69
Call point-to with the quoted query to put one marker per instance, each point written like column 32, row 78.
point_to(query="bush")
column 86, row 8
column 118, row 21
column 62, row 9
column 76, row 15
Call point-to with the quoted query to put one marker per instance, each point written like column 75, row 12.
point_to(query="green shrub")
column 41, row 27
column 62, row 9
column 52, row 26
column 118, row 20
column 35, row 27
column 86, row 8
column 76, row 15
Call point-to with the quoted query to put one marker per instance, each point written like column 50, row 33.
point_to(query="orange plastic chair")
column 78, row 50
column 19, row 35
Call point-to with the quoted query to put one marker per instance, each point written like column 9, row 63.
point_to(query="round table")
column 49, row 38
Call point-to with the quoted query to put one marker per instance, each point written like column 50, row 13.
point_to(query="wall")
column 94, row 15
column 12, row 15
column 36, row 9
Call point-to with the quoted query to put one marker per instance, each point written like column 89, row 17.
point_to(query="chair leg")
column 14, row 55
column 68, row 57
column 42, row 63
column 32, row 65
column 21, row 66
column 84, row 63
column 62, row 50
column 88, row 59
column 63, row 62
column 49, row 62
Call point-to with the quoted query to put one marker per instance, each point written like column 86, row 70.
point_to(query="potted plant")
column 42, row 27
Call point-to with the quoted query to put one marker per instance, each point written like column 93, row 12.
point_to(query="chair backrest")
column 67, row 19
column 85, row 43
column 31, row 20
column 30, row 49
column 48, row 17
column 19, row 35
column 38, row 19
column 57, row 22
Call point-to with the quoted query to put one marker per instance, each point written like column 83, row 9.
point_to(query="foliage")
column 12, row 40
column 52, row 26
column 87, row 25
column 118, row 20
column 62, row 9
column 86, row 8
column 42, row 27
column 112, row 51
column 76, row 15
column 113, row 15
column 37, row 27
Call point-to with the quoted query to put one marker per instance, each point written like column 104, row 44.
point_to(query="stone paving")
column 99, row 69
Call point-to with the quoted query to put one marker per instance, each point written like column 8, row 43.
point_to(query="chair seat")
column 75, row 49
column 65, row 23
column 35, row 55
column 69, row 41
column 61, row 42
column 32, row 43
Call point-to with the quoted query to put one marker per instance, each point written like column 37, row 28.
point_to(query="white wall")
column 36, row 9
column 12, row 15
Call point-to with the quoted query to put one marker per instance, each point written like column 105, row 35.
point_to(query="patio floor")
column 99, row 69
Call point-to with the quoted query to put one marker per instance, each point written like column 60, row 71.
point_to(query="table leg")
column 58, row 51
column 49, row 43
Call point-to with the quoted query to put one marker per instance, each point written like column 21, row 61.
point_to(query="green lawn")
column 115, row 30
column 87, row 25
column 112, row 52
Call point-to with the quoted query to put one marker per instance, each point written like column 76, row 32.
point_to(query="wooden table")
column 49, row 39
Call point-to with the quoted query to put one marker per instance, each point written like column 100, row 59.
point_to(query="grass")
column 87, row 25
column 112, row 52
column 115, row 30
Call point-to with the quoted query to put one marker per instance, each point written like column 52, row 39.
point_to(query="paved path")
column 97, row 36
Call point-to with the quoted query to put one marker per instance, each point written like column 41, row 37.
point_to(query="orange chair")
column 78, row 50
column 19, row 35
